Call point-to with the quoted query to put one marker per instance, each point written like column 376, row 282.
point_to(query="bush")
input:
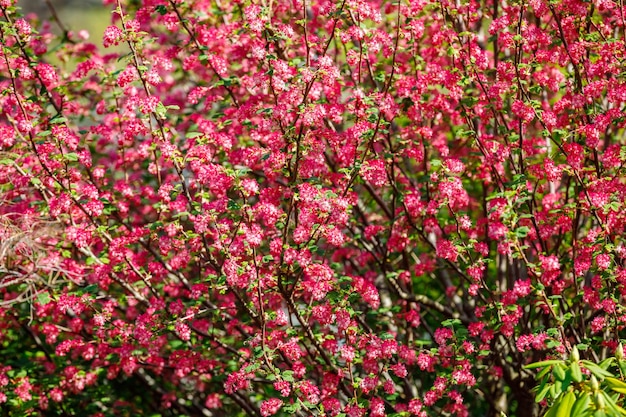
column 314, row 207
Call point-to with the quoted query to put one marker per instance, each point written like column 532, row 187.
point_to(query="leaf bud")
column 594, row 383
column 600, row 404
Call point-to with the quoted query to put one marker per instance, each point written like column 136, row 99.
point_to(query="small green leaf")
column 91, row 289
column 543, row 364
column 542, row 393
column 543, row 372
column 43, row 298
column 73, row 157
column 57, row 120
column 233, row 205
column 160, row 111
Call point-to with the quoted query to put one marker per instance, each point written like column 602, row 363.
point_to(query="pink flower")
column 603, row 260
column 127, row 76
column 24, row 389
column 310, row 392
column 575, row 154
column 415, row 406
column 374, row 172
column 112, row 36
column 47, row 73
column 377, row 407
column 598, row 324
column 149, row 104
column 184, row 332
column 348, row 353
column 283, row 387
column 270, row 407
column 523, row 111
column 213, row 401
column 23, row 27
column 400, row 370
column 447, row 250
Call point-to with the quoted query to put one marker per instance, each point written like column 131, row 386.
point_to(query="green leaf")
column 233, row 205
column 450, row 322
column 596, row 370
column 619, row 390
column 543, row 363
column 615, row 383
column 566, row 404
column 581, row 405
column 57, row 120
column 543, row 372
column 91, row 289
column 73, row 157
column 555, row 391
column 43, row 298
column 564, row 375
column 160, row 111
column 542, row 393
column 606, row 363
column 291, row 408
column 577, row 375
column 267, row 110
column 435, row 163
column 611, row 405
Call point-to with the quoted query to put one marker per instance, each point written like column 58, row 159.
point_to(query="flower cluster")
column 310, row 207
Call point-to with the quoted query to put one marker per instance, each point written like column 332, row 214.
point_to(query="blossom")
column 112, row 36
column 270, row 407
column 447, row 250
column 374, row 172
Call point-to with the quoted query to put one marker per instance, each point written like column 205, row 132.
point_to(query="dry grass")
column 26, row 269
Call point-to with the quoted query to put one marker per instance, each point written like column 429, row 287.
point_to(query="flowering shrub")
column 312, row 207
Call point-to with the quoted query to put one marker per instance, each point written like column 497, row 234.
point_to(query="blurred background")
column 76, row 15
column 40, row 7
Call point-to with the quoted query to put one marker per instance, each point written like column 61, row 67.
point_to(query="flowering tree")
column 314, row 207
